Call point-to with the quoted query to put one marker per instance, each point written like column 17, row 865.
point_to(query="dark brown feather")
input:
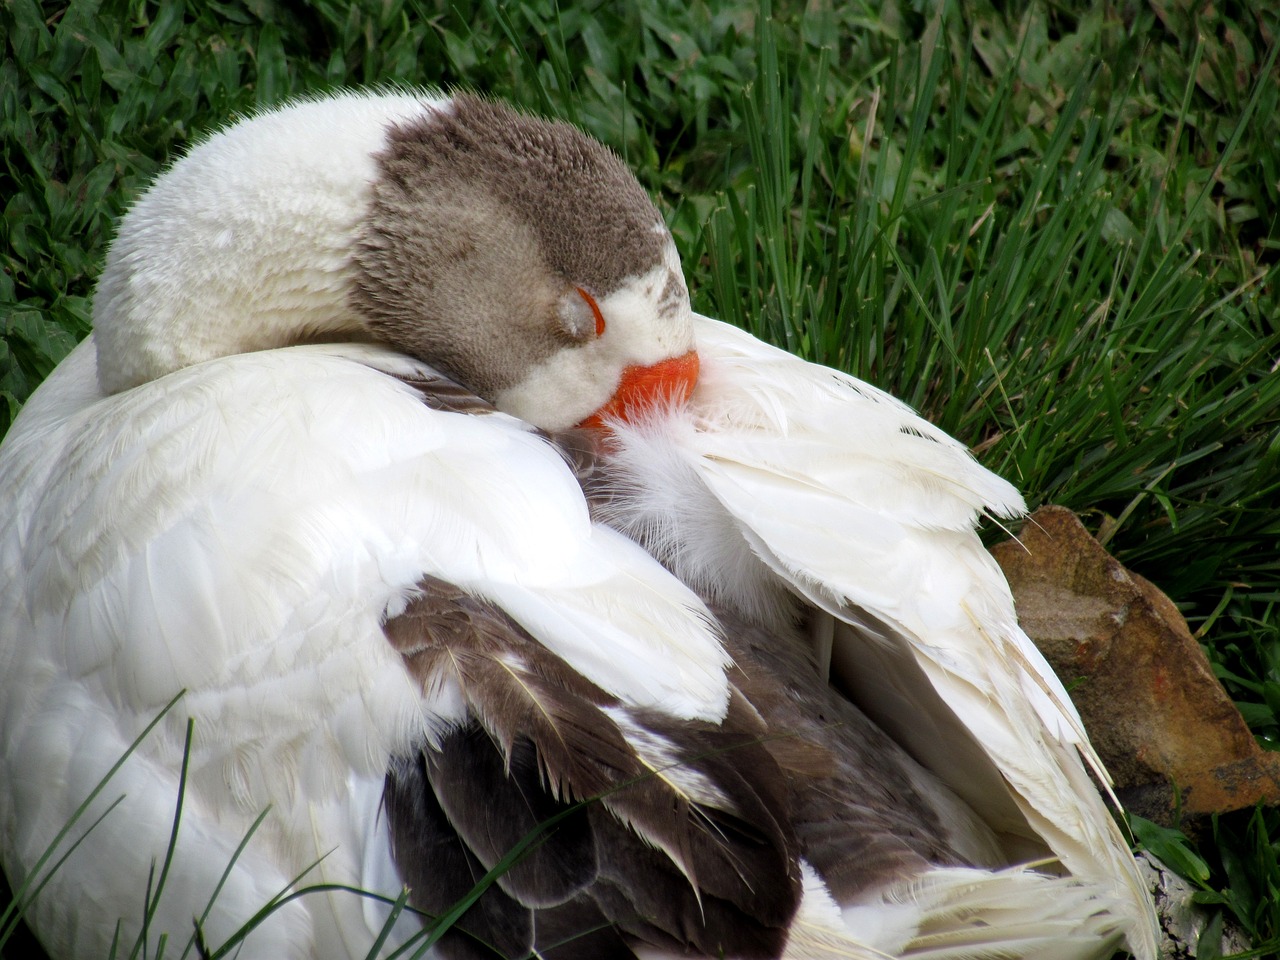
column 691, row 816
column 865, row 813
column 494, row 804
column 741, row 852
column 580, row 930
column 440, row 393
column 439, row 870
column 636, row 891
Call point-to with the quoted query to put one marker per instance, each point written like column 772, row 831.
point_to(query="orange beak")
column 643, row 388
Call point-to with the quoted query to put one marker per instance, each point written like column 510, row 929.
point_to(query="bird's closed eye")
column 579, row 315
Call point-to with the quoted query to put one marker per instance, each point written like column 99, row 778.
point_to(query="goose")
column 399, row 528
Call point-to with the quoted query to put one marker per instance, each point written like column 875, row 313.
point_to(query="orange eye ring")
column 595, row 309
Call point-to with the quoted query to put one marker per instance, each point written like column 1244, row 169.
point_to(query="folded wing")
column 865, row 511
column 241, row 532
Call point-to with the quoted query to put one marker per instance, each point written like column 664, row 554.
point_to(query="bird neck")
column 246, row 244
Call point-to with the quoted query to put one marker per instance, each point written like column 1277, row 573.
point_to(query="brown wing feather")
column 866, row 814
column 494, row 802
column 691, row 816
column 684, row 844
column 441, row 393
column 743, row 849
column 439, row 870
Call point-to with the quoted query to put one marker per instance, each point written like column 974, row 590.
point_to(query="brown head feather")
column 481, row 219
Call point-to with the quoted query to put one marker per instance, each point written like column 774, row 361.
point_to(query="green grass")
column 1052, row 229
column 16, row 940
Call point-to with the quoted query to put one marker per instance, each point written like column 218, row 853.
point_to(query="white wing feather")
column 240, row 529
column 868, row 512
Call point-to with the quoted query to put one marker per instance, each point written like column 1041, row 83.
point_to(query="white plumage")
column 868, row 512
column 236, row 514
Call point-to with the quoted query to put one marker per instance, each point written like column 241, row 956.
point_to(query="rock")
column 1153, row 708
column 1183, row 921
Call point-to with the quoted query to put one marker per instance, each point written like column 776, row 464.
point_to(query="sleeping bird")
column 401, row 546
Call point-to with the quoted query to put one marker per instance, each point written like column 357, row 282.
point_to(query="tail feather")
column 961, row 913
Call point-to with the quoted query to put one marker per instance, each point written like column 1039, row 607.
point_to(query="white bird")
column 398, row 454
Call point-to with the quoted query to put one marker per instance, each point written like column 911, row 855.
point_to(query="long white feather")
column 868, row 512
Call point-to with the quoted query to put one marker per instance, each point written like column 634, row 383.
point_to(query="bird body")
column 321, row 471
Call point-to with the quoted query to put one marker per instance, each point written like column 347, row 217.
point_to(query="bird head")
column 525, row 260
column 515, row 254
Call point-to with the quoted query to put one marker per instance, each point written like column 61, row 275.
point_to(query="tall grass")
column 1053, row 228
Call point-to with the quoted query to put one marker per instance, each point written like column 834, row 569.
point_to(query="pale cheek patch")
column 559, row 392
column 641, row 329
column 650, row 329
